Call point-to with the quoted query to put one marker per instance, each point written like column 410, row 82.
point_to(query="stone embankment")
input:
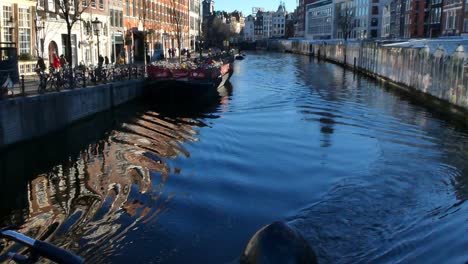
column 436, row 67
column 24, row 118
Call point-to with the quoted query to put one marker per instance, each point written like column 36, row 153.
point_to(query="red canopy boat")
column 189, row 80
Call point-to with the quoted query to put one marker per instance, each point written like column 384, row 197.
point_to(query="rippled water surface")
column 365, row 174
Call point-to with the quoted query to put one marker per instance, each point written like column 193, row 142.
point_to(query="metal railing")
column 52, row 80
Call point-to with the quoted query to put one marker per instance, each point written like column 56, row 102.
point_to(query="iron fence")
column 67, row 79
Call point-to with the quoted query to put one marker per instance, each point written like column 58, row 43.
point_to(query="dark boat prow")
column 278, row 243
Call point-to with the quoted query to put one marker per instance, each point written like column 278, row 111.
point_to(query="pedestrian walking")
column 100, row 61
column 106, row 60
column 55, row 62
column 40, row 65
column 8, row 84
column 63, row 61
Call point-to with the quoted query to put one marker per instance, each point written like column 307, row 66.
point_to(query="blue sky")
column 246, row 5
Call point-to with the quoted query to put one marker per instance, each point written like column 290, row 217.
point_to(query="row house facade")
column 17, row 25
column 279, row 21
column 194, row 22
column 374, row 19
column 17, row 28
column 38, row 29
column 355, row 19
column 267, row 24
column 52, row 32
column 154, row 24
column 452, row 23
column 301, row 10
column 249, row 32
column 267, row 18
column 319, row 22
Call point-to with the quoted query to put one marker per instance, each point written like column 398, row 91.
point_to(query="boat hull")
column 188, row 87
column 185, row 90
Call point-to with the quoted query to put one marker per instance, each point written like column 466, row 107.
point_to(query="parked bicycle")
column 42, row 84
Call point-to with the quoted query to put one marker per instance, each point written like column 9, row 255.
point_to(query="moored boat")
column 189, row 80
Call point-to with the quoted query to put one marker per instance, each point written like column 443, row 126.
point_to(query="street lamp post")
column 97, row 29
column 40, row 26
column 200, row 47
column 165, row 37
column 141, row 28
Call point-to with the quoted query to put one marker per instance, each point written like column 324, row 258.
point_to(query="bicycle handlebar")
column 44, row 249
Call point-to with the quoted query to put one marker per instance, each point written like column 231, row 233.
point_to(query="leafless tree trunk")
column 345, row 22
column 177, row 20
column 70, row 11
column 346, row 19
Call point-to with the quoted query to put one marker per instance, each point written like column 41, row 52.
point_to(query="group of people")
column 102, row 60
column 173, row 51
column 61, row 62
column 58, row 63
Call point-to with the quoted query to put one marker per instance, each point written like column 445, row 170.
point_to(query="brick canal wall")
column 24, row 118
column 435, row 67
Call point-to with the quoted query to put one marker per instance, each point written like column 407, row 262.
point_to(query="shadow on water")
column 85, row 187
column 203, row 105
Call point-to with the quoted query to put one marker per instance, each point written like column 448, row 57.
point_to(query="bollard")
column 129, row 72
column 71, row 79
column 95, row 76
column 23, row 93
column 136, row 72
column 84, row 78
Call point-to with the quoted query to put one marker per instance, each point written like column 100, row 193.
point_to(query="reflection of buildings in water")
column 225, row 93
column 80, row 204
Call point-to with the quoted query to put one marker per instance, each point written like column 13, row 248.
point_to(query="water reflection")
column 99, row 180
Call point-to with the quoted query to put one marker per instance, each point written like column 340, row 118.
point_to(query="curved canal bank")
column 432, row 70
column 364, row 172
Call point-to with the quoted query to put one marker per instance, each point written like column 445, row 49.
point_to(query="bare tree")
column 216, row 31
column 143, row 16
column 178, row 20
column 346, row 21
column 346, row 18
column 70, row 11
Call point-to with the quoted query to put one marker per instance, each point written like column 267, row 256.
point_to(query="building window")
column 101, row 4
column 93, row 3
column 51, row 5
column 113, row 18
column 375, row 10
column 7, row 30
column 24, row 30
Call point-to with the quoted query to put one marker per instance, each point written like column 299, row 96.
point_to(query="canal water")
column 366, row 174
